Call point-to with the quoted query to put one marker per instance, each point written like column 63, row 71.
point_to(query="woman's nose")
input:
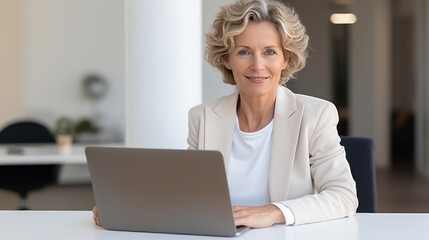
column 257, row 63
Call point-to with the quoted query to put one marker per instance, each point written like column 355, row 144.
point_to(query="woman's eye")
column 243, row 52
column 270, row 52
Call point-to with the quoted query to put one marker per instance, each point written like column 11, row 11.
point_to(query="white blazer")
column 309, row 172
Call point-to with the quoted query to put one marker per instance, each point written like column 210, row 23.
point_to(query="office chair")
column 24, row 178
column 359, row 153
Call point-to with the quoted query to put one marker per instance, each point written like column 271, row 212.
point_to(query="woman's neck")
column 254, row 113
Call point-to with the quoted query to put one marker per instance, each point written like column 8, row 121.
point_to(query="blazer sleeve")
column 335, row 190
column 194, row 126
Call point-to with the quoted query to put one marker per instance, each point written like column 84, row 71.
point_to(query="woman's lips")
column 257, row 79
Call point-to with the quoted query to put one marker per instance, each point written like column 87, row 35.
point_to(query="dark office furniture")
column 360, row 155
column 24, row 178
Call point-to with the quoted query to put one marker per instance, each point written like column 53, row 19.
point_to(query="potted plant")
column 86, row 131
column 64, row 130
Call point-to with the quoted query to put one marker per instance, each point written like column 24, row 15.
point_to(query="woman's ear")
column 226, row 63
column 286, row 55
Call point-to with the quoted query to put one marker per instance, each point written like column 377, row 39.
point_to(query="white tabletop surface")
column 66, row 225
column 40, row 154
column 22, row 154
column 74, row 167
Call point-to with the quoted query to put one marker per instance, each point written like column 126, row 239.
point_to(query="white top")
column 72, row 225
column 248, row 166
column 248, row 169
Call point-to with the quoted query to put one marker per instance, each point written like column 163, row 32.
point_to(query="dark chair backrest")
column 26, row 132
column 360, row 155
column 25, row 178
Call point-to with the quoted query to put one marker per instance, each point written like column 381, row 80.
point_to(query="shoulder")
column 220, row 105
column 291, row 102
column 313, row 111
column 318, row 114
column 313, row 104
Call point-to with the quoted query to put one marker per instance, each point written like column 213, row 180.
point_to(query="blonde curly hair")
column 232, row 20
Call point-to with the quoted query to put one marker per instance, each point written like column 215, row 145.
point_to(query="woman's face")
column 257, row 60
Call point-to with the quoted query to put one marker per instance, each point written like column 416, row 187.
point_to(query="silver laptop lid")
column 158, row 190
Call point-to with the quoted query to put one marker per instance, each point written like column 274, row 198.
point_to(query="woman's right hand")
column 95, row 216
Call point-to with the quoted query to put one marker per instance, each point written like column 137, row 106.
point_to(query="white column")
column 422, row 87
column 370, row 76
column 163, row 70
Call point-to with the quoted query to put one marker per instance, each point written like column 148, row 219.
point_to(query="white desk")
column 35, row 154
column 74, row 167
column 53, row 225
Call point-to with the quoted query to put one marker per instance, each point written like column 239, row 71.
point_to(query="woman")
column 282, row 152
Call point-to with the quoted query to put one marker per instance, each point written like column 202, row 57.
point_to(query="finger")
column 243, row 220
column 239, row 222
column 238, row 208
column 97, row 220
column 255, row 217
column 241, row 209
column 240, row 212
column 95, row 216
column 241, row 216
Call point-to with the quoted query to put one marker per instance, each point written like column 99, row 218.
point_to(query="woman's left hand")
column 258, row 217
column 95, row 216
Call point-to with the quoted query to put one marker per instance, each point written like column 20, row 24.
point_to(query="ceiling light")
column 343, row 18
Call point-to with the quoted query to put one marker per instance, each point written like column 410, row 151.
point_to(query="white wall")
column 9, row 62
column 61, row 42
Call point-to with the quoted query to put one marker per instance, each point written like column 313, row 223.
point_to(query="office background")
column 375, row 71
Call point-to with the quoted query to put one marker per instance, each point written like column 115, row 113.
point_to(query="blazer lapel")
column 221, row 119
column 287, row 122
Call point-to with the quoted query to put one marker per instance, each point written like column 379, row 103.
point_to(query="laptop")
column 160, row 190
